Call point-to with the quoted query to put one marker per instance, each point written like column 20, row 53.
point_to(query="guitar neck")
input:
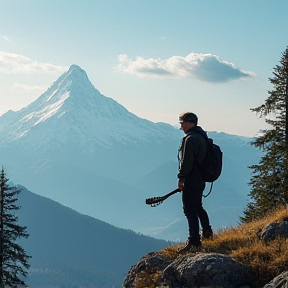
column 171, row 193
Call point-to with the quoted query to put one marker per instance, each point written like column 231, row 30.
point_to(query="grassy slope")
column 266, row 260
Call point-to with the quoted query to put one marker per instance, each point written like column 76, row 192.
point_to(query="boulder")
column 281, row 281
column 150, row 263
column 206, row 270
column 272, row 230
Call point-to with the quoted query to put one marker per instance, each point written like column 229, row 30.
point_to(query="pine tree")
column 13, row 258
column 269, row 181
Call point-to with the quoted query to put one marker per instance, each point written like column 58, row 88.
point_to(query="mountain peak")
column 73, row 85
column 74, row 76
column 74, row 67
column 76, row 72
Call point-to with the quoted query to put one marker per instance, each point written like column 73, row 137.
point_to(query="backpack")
column 210, row 169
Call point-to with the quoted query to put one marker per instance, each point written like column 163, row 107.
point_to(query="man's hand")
column 181, row 184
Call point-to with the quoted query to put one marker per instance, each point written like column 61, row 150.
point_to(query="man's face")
column 185, row 126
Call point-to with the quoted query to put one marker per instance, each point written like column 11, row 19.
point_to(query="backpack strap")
column 206, row 139
column 209, row 190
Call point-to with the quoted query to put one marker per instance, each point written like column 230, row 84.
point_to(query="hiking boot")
column 190, row 243
column 207, row 233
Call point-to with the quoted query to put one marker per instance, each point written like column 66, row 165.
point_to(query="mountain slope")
column 69, row 248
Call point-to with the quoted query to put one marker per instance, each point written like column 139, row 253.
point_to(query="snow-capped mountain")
column 73, row 116
column 88, row 152
column 73, row 107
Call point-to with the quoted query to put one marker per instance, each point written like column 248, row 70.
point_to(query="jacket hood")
column 199, row 130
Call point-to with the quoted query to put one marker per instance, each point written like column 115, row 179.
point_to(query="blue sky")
column 158, row 58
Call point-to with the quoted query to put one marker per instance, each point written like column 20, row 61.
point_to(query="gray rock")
column 206, row 270
column 281, row 281
column 151, row 262
column 271, row 231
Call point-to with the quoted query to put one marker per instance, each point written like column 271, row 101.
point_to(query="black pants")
column 192, row 205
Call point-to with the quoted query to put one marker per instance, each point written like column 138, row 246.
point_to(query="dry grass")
column 266, row 260
column 147, row 279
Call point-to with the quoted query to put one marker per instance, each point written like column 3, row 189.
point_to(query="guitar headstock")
column 154, row 201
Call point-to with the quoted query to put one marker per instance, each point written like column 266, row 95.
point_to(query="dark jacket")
column 191, row 151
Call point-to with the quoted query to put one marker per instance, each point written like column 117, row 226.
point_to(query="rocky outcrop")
column 195, row 270
column 206, row 270
column 281, row 281
column 189, row 271
column 150, row 264
column 272, row 230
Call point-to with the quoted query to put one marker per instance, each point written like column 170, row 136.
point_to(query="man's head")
column 188, row 120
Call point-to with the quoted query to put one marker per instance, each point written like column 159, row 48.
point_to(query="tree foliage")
column 269, row 181
column 13, row 258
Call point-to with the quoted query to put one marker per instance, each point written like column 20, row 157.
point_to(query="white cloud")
column 204, row 67
column 18, row 86
column 6, row 38
column 11, row 63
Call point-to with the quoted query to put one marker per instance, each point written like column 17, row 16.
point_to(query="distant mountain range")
column 86, row 151
column 73, row 250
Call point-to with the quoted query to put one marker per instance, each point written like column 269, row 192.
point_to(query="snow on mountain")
column 72, row 106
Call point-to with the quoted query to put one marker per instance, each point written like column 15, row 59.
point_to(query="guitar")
column 155, row 201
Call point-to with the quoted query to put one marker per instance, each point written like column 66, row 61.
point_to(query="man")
column 192, row 153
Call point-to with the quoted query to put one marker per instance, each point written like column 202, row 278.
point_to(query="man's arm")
column 186, row 163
